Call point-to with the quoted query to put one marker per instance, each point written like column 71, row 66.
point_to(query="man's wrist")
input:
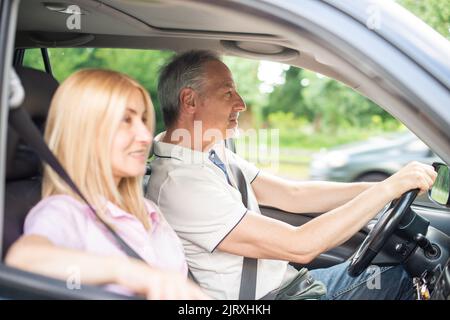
column 385, row 189
column 367, row 185
column 363, row 186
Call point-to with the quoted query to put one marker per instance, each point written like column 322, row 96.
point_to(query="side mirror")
column 440, row 191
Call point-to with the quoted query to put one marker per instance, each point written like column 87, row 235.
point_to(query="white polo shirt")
column 203, row 208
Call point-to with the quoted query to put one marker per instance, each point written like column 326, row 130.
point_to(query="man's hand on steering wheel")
column 414, row 175
column 413, row 179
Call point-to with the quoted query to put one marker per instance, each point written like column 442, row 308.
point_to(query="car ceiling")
column 148, row 17
column 166, row 25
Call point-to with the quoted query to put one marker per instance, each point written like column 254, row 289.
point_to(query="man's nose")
column 239, row 104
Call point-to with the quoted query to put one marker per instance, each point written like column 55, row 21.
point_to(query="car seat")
column 23, row 166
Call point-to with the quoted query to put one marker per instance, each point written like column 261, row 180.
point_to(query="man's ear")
column 187, row 100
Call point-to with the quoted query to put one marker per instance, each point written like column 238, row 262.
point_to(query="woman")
column 100, row 126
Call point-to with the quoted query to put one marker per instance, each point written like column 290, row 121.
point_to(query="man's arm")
column 304, row 196
column 262, row 237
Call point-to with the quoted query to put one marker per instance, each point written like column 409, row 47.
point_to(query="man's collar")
column 176, row 152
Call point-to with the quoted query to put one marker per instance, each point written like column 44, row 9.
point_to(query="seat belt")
column 247, row 289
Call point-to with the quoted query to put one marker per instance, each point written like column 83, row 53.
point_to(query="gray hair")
column 183, row 71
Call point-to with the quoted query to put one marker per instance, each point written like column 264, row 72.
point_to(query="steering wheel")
column 380, row 233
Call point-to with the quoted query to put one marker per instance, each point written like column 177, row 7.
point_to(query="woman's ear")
column 187, row 100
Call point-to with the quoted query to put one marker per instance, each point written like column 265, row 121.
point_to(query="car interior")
column 158, row 25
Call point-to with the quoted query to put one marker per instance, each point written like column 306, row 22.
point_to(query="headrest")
column 39, row 86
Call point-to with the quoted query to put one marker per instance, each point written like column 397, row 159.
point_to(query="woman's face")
column 132, row 141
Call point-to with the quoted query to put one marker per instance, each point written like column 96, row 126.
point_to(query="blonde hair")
column 84, row 115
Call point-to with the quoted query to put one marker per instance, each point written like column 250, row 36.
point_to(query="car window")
column 301, row 113
column 298, row 124
column 305, row 126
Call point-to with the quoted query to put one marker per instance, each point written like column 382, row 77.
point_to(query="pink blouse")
column 69, row 223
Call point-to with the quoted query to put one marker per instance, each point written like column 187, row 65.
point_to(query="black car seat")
column 23, row 167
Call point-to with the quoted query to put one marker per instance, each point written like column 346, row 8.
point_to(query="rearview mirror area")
column 440, row 191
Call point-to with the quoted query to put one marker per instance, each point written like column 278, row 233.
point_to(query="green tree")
column 287, row 97
column 333, row 105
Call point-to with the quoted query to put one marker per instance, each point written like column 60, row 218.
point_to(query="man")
column 192, row 183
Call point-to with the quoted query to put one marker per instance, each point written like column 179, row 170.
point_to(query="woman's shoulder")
column 61, row 201
column 62, row 206
column 60, row 218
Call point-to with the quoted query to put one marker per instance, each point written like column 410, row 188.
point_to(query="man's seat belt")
column 247, row 289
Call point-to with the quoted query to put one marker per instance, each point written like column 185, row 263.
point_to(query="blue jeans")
column 375, row 283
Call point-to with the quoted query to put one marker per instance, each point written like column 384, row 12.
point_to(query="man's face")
column 219, row 102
